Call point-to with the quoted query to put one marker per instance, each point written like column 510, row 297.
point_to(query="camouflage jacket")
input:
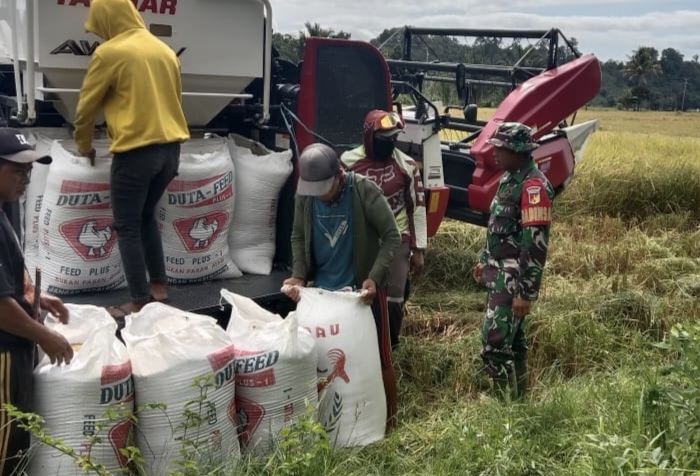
column 518, row 228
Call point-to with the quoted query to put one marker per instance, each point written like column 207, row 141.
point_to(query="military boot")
column 505, row 385
column 521, row 377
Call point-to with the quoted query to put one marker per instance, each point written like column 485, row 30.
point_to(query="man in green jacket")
column 345, row 234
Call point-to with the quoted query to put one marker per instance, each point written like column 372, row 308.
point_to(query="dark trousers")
column 16, row 388
column 396, row 291
column 380, row 311
column 138, row 180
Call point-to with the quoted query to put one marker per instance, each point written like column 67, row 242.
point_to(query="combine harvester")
column 235, row 82
column 462, row 174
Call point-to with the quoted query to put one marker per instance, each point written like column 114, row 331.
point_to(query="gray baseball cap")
column 318, row 166
column 15, row 148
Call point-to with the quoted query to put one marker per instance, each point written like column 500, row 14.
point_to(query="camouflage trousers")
column 502, row 334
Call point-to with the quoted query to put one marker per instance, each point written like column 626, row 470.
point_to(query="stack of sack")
column 217, row 217
column 211, row 393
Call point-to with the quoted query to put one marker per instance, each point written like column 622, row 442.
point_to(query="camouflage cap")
column 514, row 136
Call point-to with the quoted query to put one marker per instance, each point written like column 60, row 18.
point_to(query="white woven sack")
column 178, row 357
column 353, row 404
column 30, row 203
column 75, row 399
column 195, row 214
column 260, row 179
column 78, row 249
column 275, row 372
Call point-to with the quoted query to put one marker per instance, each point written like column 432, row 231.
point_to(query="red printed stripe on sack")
column 266, row 378
column 187, row 185
column 75, row 186
column 221, row 358
column 116, row 384
column 222, row 362
column 199, row 193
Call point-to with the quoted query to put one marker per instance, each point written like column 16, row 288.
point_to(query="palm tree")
column 642, row 63
column 315, row 29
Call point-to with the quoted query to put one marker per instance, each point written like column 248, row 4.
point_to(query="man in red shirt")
column 398, row 176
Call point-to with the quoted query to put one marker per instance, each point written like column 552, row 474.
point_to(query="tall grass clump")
column 644, row 123
column 451, row 257
column 631, row 420
column 625, row 176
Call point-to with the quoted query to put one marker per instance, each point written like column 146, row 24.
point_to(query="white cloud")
column 606, row 36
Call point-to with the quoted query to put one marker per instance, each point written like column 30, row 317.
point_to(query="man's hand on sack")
column 370, row 288
column 292, row 292
column 56, row 347
column 521, row 307
column 417, row 262
column 55, row 306
column 91, row 155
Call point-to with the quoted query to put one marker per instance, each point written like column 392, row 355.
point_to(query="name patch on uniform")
column 535, row 205
column 537, row 216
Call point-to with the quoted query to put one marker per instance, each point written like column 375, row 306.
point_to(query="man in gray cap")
column 20, row 325
column 345, row 234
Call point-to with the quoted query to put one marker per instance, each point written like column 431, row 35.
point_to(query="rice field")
column 668, row 124
column 614, row 382
column 623, row 269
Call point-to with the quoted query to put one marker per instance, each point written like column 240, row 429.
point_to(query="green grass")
column 622, row 270
column 570, row 428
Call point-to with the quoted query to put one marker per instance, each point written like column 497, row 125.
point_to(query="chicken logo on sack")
column 119, row 438
column 92, row 238
column 250, row 415
column 337, row 361
column 200, row 232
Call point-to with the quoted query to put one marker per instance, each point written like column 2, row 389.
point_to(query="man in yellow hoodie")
column 134, row 78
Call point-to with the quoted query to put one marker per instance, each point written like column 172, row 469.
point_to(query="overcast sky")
column 607, row 28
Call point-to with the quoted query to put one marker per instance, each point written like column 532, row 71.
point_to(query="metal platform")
column 205, row 298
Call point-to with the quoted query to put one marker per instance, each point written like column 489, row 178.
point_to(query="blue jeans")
column 139, row 178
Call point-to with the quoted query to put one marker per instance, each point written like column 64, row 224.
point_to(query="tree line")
column 646, row 79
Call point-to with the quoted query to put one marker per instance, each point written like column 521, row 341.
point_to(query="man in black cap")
column 20, row 325
column 345, row 234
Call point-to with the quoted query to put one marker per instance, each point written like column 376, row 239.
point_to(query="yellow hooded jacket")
column 135, row 78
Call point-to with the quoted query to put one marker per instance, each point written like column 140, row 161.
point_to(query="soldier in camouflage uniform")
column 513, row 259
